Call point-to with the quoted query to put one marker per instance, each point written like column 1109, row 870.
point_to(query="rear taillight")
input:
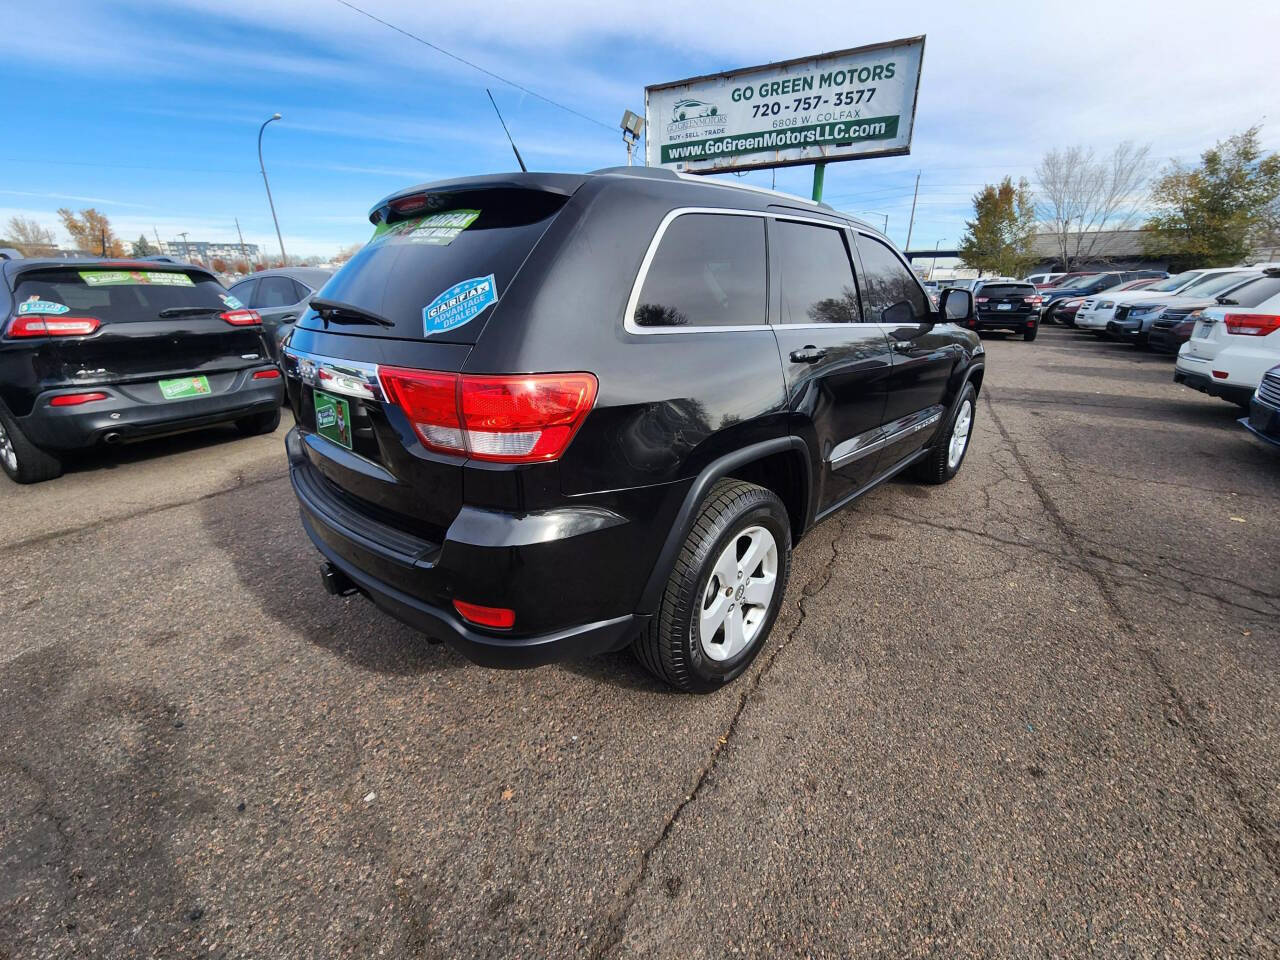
column 272, row 374
column 981, row 300
column 241, row 318
column 36, row 326
column 1034, row 301
column 409, row 204
column 75, row 399
column 512, row 419
column 1251, row 324
column 500, row 618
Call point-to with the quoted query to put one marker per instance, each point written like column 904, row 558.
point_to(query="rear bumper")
column 1008, row 321
column 123, row 416
column 1165, row 341
column 1263, row 421
column 1207, row 384
column 573, row 575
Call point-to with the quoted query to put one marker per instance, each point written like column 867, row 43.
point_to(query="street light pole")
column 934, row 262
column 283, row 257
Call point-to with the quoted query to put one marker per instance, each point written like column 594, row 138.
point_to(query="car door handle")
column 807, row 354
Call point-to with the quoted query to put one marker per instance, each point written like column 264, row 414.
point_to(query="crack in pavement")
column 40, row 538
column 1214, row 760
column 610, row 936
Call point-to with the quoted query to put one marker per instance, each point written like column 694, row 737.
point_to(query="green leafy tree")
column 141, row 248
column 998, row 239
column 1213, row 213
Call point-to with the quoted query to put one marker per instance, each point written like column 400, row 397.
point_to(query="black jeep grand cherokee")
column 543, row 416
column 106, row 351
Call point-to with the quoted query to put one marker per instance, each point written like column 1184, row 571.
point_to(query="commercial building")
column 206, row 251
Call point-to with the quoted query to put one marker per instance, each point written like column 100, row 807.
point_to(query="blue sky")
column 150, row 111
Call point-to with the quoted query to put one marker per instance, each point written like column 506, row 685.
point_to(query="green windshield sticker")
column 34, row 304
column 436, row 229
column 333, row 419
column 120, row 278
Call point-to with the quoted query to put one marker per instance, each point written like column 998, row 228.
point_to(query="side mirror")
column 956, row 305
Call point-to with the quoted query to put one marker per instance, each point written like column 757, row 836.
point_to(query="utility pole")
column 912, row 222
column 159, row 249
column 244, row 255
column 934, row 262
column 284, row 259
column 186, row 247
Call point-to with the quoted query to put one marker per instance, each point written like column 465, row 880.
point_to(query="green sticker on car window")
column 435, row 229
column 120, row 278
column 333, row 419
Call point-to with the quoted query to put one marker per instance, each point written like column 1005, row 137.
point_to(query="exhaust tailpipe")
column 112, row 438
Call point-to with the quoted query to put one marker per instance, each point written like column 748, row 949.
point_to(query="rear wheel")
column 948, row 450
column 21, row 459
column 724, row 592
column 1031, row 334
column 259, row 423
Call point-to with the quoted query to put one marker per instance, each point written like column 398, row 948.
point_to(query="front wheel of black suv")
column 259, row 423
column 724, row 592
column 947, row 453
column 21, row 459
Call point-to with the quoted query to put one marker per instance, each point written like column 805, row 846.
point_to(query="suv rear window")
column 1253, row 293
column 118, row 296
column 709, row 271
column 420, row 270
column 1008, row 290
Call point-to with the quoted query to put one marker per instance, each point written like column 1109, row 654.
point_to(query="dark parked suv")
column 544, row 416
column 1012, row 306
column 104, row 351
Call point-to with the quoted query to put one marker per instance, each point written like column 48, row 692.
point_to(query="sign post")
column 845, row 105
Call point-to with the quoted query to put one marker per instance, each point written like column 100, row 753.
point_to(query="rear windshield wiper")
column 1228, row 302
column 340, row 312
column 188, row 311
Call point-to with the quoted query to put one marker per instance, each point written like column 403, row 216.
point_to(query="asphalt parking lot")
column 1033, row 712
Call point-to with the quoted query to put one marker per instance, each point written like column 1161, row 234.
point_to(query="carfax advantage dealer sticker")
column 460, row 304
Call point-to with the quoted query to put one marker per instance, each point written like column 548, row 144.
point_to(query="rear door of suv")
column 1012, row 303
column 415, row 298
column 837, row 366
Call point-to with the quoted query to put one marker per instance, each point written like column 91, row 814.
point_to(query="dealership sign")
column 837, row 106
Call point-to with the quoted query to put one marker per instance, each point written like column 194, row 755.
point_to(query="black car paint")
column 126, row 361
column 581, row 546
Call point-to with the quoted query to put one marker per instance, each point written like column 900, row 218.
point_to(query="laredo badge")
column 459, row 304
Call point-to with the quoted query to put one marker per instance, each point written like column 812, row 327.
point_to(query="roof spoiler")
column 439, row 196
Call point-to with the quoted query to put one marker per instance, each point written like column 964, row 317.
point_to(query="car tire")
column 21, row 459
column 1030, row 335
column 259, row 423
column 703, row 637
column 949, row 449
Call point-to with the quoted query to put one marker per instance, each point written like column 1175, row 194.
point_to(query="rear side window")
column 890, row 291
column 1002, row 290
column 275, row 292
column 708, row 271
column 115, row 296
column 817, row 274
column 244, row 290
column 435, row 272
column 1254, row 294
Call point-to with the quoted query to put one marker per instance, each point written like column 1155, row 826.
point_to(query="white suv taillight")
column 509, row 419
column 1251, row 324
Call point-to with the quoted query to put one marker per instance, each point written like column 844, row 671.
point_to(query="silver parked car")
column 279, row 297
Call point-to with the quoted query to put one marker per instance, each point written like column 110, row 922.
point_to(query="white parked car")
column 1099, row 310
column 1232, row 346
column 1040, row 279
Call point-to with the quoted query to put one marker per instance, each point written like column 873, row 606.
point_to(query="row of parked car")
column 1223, row 324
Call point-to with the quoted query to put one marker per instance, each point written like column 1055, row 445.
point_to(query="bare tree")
column 1085, row 196
column 30, row 237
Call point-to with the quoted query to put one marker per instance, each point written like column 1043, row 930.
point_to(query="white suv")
column 1234, row 343
column 1099, row 310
